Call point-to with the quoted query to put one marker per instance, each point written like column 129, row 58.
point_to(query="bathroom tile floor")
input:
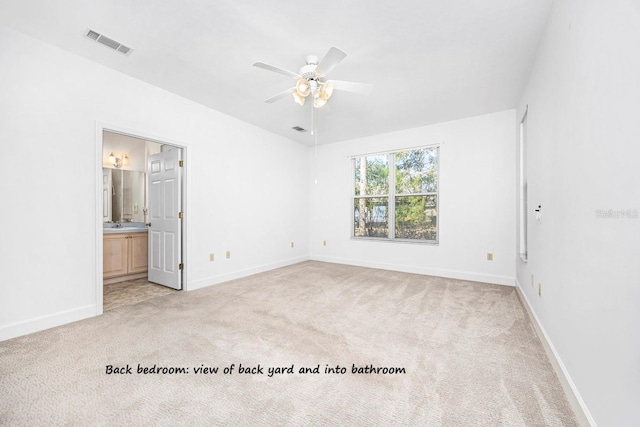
column 131, row 292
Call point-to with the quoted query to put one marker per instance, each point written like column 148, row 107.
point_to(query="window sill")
column 386, row 240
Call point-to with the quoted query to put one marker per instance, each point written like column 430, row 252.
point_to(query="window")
column 395, row 195
column 522, row 178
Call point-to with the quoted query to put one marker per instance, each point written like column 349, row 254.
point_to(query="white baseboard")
column 215, row 280
column 451, row 274
column 45, row 322
column 580, row 409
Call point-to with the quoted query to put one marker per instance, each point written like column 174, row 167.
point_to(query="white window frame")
column 523, row 188
column 391, row 196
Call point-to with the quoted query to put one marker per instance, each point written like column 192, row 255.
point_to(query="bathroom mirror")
column 123, row 195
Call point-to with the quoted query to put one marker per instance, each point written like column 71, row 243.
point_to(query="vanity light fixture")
column 118, row 161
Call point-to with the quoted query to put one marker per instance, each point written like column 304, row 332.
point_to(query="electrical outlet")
column 324, row 243
column 539, row 289
column 291, row 244
column 228, row 254
column 211, row 258
column 489, row 256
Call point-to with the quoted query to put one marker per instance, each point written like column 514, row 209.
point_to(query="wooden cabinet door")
column 114, row 255
column 138, row 259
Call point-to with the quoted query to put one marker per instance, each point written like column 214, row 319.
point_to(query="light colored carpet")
column 469, row 351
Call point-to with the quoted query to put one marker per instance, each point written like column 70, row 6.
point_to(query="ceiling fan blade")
column 330, row 60
column 361, row 88
column 277, row 70
column 280, row 95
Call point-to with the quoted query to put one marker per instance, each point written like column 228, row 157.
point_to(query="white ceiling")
column 429, row 60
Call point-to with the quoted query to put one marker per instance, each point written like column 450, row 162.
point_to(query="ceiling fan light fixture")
column 298, row 98
column 303, row 88
column 311, row 80
column 326, row 91
column 319, row 102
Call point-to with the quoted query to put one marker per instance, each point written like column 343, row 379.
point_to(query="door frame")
column 101, row 127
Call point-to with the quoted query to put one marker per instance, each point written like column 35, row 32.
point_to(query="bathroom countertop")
column 124, row 230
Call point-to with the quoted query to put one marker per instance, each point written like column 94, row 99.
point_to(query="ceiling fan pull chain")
column 314, row 132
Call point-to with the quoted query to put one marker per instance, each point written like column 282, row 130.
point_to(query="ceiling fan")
column 311, row 80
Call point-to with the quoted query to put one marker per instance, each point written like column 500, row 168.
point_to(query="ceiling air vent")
column 104, row 40
column 299, row 129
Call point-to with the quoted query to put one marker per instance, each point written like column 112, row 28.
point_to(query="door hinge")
column 181, row 215
column 181, row 266
column 181, row 163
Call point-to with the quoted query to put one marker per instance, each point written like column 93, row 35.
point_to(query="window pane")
column 370, row 217
column 417, row 171
column 371, row 175
column 416, row 217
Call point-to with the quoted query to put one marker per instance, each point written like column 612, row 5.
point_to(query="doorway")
column 131, row 221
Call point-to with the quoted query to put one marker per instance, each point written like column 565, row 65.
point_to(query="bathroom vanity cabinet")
column 124, row 256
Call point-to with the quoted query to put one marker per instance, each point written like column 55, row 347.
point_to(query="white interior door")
column 165, row 232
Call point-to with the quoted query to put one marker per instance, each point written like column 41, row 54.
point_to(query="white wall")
column 247, row 189
column 583, row 156
column 477, row 201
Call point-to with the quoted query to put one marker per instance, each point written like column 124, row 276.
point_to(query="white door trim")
column 100, row 128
